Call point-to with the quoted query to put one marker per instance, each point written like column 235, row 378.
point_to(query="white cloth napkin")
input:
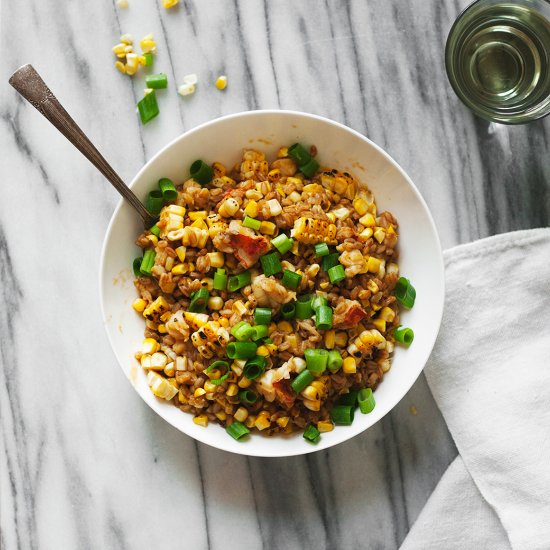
column 490, row 376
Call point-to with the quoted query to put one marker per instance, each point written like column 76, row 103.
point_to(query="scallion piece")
column 168, row 189
column 148, row 59
column 241, row 350
column 282, row 243
column 318, row 301
column 242, row 331
column 366, row 401
column 201, row 172
column 403, row 335
column 291, row 279
column 199, row 300
column 262, row 315
column 298, row 153
column 330, row 260
column 321, row 249
column 237, row 430
column 336, row 274
column 304, row 309
column 136, row 266
column 342, row 414
column 148, row 107
column 254, row 367
column 260, row 331
column 288, row 311
column 154, row 202
column 304, row 379
column 405, row 292
column 309, row 168
column 312, row 434
column 238, row 281
column 218, row 365
column 271, row 264
column 220, row 279
column 334, row 361
column 247, row 396
column 147, row 262
column 155, row 230
column 156, row 81
column 316, row 360
column 323, row 318
column 251, row 223
column 349, row 398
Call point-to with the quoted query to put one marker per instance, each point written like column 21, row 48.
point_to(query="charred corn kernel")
column 372, row 286
column 208, row 283
column 373, row 264
column 274, row 206
column 274, row 175
column 219, row 170
column 366, row 234
column 215, row 303
column 239, row 307
column 312, row 405
column 325, row 426
column 223, row 322
column 221, row 82
column 251, row 209
column 145, row 361
column 360, row 204
column 202, row 419
column 264, row 187
column 228, row 207
column 221, row 415
column 285, row 326
column 139, row 305
column 379, row 235
column 330, row 337
column 341, row 213
column 271, row 348
column 232, row 390
column 195, row 320
column 262, row 422
column 339, row 183
column 311, row 392
column 253, row 194
column 147, row 44
column 151, row 324
column 241, row 414
column 312, row 231
column 367, row 220
column 120, row 66
column 162, row 329
column 387, row 314
column 268, row 228
column 380, row 324
column 340, row 339
column 282, row 152
column 263, row 351
column 216, row 228
column 282, row 421
column 170, row 369
column 160, row 386
column 198, row 215
column 199, row 392
column 156, row 309
column 365, row 342
column 349, row 365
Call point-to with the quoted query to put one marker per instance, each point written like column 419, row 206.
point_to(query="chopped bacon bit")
column 284, row 393
column 354, row 315
column 248, row 249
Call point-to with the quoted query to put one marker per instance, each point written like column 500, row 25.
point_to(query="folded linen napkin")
column 490, row 376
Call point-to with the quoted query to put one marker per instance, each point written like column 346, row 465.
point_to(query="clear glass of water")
column 498, row 59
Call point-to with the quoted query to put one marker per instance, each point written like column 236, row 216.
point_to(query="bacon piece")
column 248, row 249
column 284, row 393
column 347, row 314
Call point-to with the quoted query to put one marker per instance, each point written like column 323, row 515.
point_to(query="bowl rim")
column 185, row 135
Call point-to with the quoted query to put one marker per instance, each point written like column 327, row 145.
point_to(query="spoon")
column 31, row 86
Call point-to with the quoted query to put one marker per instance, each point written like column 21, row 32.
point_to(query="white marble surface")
column 84, row 463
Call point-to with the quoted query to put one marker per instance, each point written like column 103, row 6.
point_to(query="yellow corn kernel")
column 120, row 66
column 313, row 188
column 282, row 152
column 156, row 309
column 340, row 339
column 240, row 414
column 372, row 286
column 324, row 285
column 195, row 320
column 250, row 419
column 325, row 426
column 224, row 322
column 350, row 365
column 367, row 220
column 169, row 3
column 312, row 405
column 360, row 204
column 379, row 234
column 228, row 207
column 147, row 44
column 175, row 209
column 274, row 206
column 386, row 365
column 221, row 82
column 341, row 213
column 160, row 386
column 263, row 351
column 200, row 223
column 253, row 194
column 392, row 269
column 151, row 324
column 274, row 175
column 162, row 329
column 366, row 234
column 202, row 419
column 142, row 61
column 312, row 231
column 215, row 303
column 221, row 415
column 387, row 314
column 244, row 382
column 182, row 398
column 199, row 392
column 390, row 230
column 145, row 361
column 198, row 215
column 139, row 305
column 216, row 228
column 282, row 421
column 181, row 251
column 170, row 369
column 311, row 392
column 268, row 228
column 271, row 348
column 380, row 324
column 122, row 4
column 208, row 283
column 285, row 326
column 239, row 307
column 180, row 269
column 150, row 345
column 216, row 259
column 262, row 422
column 373, row 264
column 376, row 307
column 251, row 209
column 119, row 49
column 209, row 387
column 330, row 337
column 168, row 265
column 232, row 390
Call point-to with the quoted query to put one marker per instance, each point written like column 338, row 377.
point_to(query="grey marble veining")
column 84, row 463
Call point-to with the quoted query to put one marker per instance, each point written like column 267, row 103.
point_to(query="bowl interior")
column 223, row 140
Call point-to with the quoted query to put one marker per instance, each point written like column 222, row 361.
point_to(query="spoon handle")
column 31, row 86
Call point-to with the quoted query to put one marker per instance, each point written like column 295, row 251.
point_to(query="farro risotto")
column 270, row 294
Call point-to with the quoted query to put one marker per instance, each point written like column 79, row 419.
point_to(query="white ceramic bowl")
column 338, row 146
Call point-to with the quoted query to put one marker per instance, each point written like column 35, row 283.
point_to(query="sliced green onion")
column 288, row 311
column 260, row 331
column 268, row 341
column 334, row 361
column 316, row 360
column 291, row 279
column 220, row 279
column 148, row 107
column 252, row 223
column 304, row 379
column 147, row 262
column 247, row 396
column 321, row 249
column 168, row 189
column 323, row 318
column 237, row 430
column 403, row 335
column 405, row 292
column 309, row 168
column 330, row 260
column 304, row 310
column 241, row 350
column 199, row 300
column 148, row 59
column 242, row 331
column 311, row 433
column 298, row 153
column 155, row 230
column 218, row 365
column 238, row 281
column 336, row 274
column 349, row 398
column 282, row 243
column 136, row 266
column 318, row 301
column 201, row 172
column 254, row 367
column 271, row 264
column 342, row 414
column 156, row 81
column 262, row 315
column 154, row 202
column 366, row 400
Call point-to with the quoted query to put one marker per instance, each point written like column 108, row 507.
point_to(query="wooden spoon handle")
column 31, row 86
